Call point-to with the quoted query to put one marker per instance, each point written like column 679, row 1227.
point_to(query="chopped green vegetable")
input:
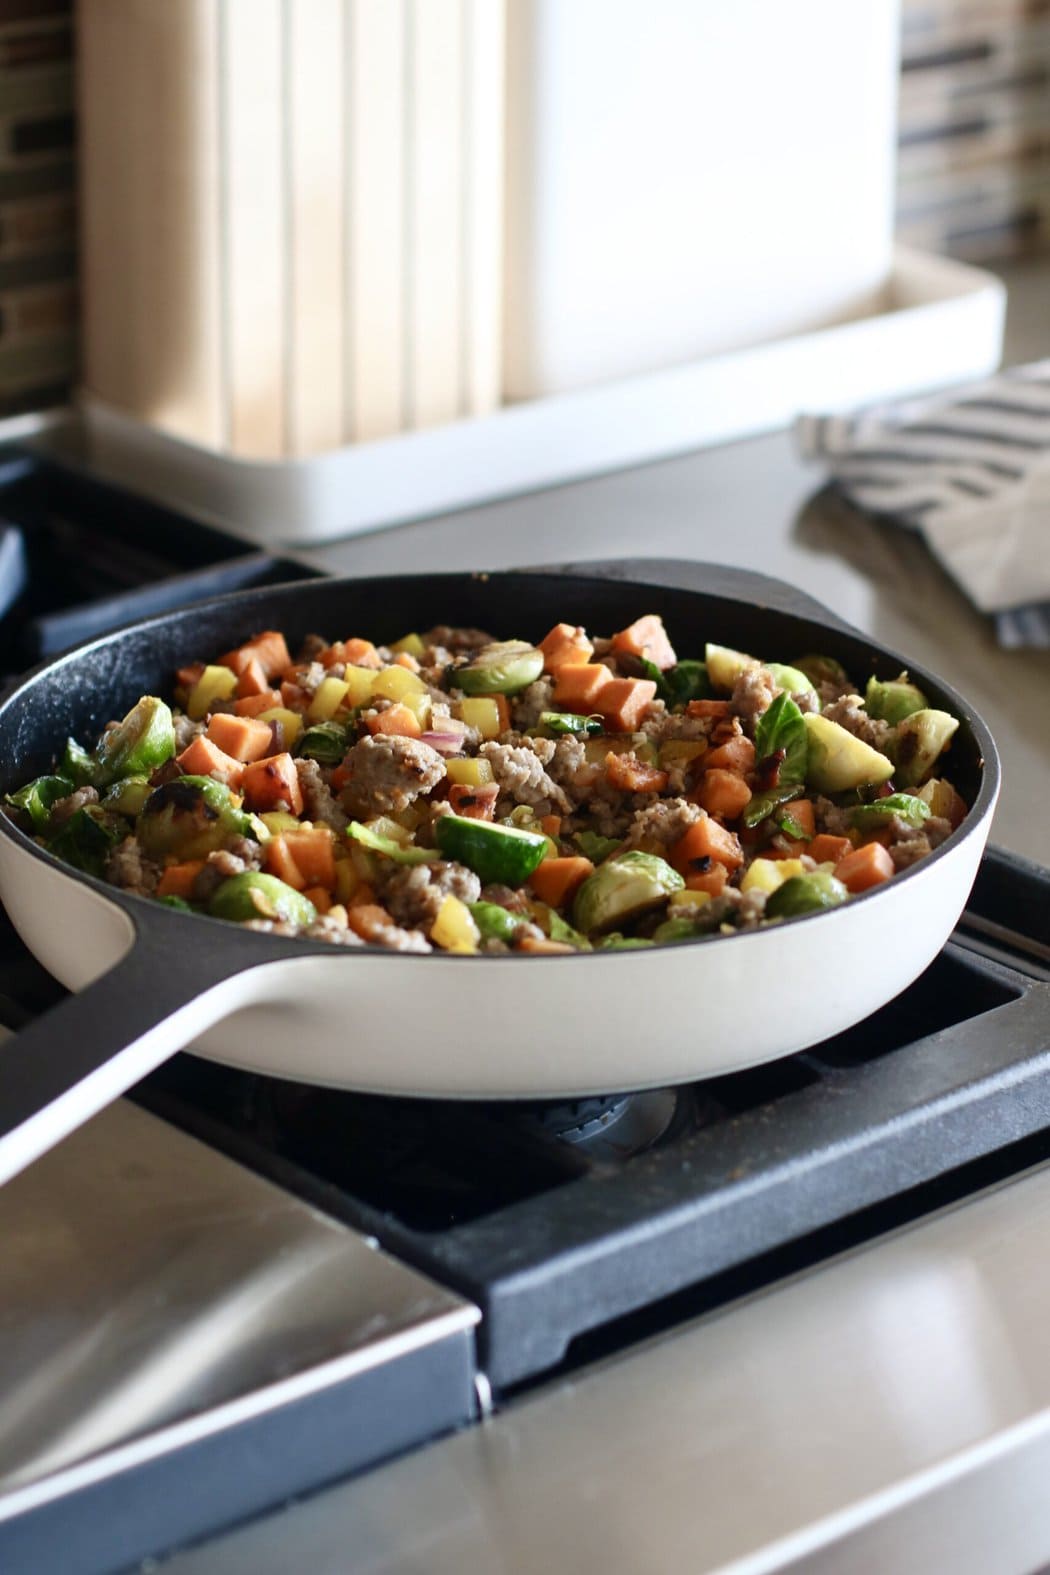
column 838, row 760
column 892, row 702
column 87, row 838
column 762, row 805
column 127, row 797
column 787, row 823
column 494, row 922
column 562, row 722
column 920, row 741
column 78, row 765
column 399, row 852
column 622, row 887
column 500, row 669
column 808, row 893
column 900, row 806
column 783, row 728
column 171, row 901
column 144, row 740
column 192, row 817
column 496, row 853
column 622, row 943
column 595, row 847
column 673, row 931
column 822, row 670
column 37, row 797
column 325, row 742
column 560, row 930
column 252, row 895
column 685, row 681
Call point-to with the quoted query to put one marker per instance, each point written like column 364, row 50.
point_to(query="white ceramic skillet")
column 152, row 981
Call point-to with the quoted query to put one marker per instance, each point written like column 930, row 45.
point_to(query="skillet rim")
column 284, row 946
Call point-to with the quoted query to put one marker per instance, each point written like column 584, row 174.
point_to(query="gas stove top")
column 571, row 1230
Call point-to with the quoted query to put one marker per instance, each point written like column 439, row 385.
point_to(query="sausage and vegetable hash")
column 464, row 794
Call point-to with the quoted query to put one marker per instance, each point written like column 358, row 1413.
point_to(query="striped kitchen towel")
column 971, row 473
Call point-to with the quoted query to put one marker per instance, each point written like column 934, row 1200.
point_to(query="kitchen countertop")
column 756, row 505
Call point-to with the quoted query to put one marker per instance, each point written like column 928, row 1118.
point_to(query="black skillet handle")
column 714, row 579
column 177, row 980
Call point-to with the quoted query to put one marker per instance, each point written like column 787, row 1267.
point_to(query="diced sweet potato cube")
column 269, row 649
column 252, row 680
column 565, row 643
column 623, row 702
column 204, row 758
column 272, row 783
column 321, row 899
column 866, row 866
column 628, row 774
column 736, row 754
column 279, row 860
column 240, row 736
column 251, row 705
column 827, row 849
column 293, row 697
column 555, row 880
column 723, row 793
column 710, row 880
column 361, row 653
column 704, row 840
column 368, row 920
column 715, row 708
column 178, row 879
column 577, row 685
column 396, row 719
column 647, row 637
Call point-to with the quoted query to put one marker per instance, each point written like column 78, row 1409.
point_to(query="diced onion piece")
column 444, row 743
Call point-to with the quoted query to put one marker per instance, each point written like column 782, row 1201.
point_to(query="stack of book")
column 38, row 261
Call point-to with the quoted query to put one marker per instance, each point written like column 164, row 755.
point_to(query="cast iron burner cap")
column 609, row 1127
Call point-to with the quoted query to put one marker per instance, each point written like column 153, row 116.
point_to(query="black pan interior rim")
column 302, row 592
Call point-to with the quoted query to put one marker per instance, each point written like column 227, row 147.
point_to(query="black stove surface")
column 581, row 1225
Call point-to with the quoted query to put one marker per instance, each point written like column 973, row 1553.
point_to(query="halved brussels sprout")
column 838, row 760
column 921, row 739
column 144, row 740
column 503, row 668
column 895, row 806
column 87, row 838
column 127, row 797
column 822, row 670
column 190, row 818
column 724, row 665
column 621, row 888
column 325, row 742
column 252, row 895
column 791, row 679
column 37, row 797
column 809, row 893
column 892, row 702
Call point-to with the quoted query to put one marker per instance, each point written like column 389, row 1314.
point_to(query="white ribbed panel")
column 293, row 218
column 316, row 187
column 254, row 255
column 435, row 208
column 484, row 46
column 375, row 253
